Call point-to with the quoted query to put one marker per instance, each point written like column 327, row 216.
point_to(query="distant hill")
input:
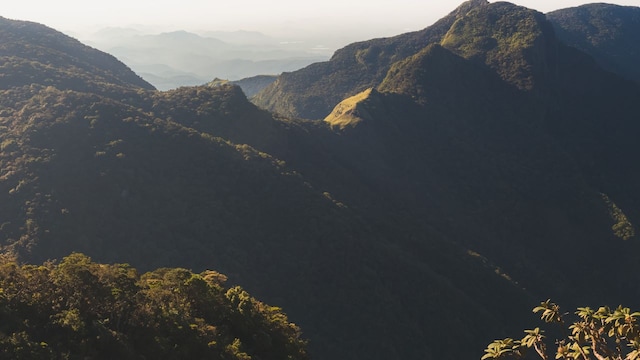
column 452, row 178
column 182, row 58
column 607, row 32
column 252, row 85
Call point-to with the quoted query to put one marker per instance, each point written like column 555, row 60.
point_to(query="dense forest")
column 78, row 309
column 434, row 183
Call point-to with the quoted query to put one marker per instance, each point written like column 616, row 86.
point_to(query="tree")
column 79, row 309
column 602, row 334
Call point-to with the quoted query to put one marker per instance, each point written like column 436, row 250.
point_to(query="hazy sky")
column 372, row 16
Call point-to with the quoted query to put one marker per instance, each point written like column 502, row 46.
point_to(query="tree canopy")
column 79, row 309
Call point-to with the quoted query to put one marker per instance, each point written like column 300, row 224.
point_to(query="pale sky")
column 377, row 17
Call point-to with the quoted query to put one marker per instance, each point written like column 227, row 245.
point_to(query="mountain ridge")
column 352, row 69
column 359, row 66
column 605, row 31
column 71, row 52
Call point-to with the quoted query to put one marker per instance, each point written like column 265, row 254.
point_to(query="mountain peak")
column 349, row 112
column 469, row 5
column 511, row 39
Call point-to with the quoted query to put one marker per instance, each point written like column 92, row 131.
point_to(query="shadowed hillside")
column 253, row 85
column 607, row 32
column 465, row 172
column 64, row 60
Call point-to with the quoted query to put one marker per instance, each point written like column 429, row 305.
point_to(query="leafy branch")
column 603, row 334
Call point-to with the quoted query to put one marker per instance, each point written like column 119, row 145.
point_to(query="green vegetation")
column 607, row 32
column 446, row 203
column 79, row 309
column 621, row 227
column 606, row 333
column 506, row 37
column 33, row 50
column 312, row 92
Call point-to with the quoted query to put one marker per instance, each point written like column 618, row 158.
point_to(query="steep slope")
column 101, row 177
column 605, row 31
column 473, row 154
column 570, row 96
column 363, row 65
column 556, row 150
column 31, row 52
column 314, row 90
column 589, row 112
column 518, row 43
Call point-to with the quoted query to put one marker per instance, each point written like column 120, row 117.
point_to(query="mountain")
column 489, row 135
column 312, row 92
column 166, row 179
column 469, row 171
column 165, row 77
column 252, row 85
column 180, row 58
column 605, row 31
column 241, row 37
column 62, row 59
column 102, row 177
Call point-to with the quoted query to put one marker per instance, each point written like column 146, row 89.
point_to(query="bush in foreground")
column 78, row 309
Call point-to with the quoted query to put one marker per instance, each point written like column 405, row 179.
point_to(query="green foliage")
column 607, row 32
column 508, row 38
column 78, row 309
column 30, row 50
column 622, row 227
column 612, row 334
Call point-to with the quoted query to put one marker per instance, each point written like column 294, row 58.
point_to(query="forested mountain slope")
column 313, row 91
column 607, row 32
column 129, row 175
column 63, row 61
column 484, row 166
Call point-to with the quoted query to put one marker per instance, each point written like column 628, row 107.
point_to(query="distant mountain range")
column 449, row 179
column 180, row 58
